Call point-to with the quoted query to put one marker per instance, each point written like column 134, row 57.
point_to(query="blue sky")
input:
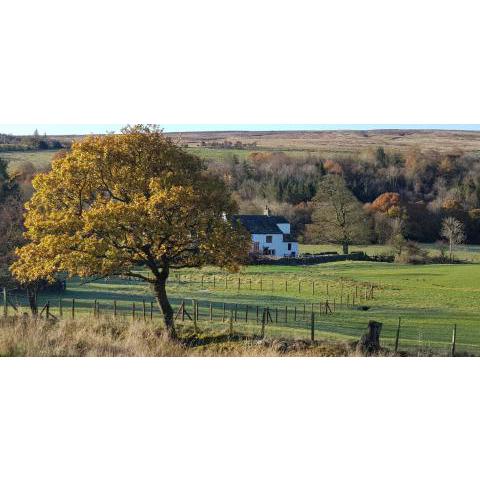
column 66, row 129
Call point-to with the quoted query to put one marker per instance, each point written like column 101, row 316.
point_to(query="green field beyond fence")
column 343, row 296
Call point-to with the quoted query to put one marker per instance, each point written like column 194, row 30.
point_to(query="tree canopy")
column 10, row 221
column 338, row 216
column 120, row 201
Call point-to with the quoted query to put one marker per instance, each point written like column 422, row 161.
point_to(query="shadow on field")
column 193, row 340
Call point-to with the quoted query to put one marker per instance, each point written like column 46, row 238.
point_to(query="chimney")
column 266, row 211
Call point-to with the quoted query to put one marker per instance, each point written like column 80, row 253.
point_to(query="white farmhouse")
column 270, row 234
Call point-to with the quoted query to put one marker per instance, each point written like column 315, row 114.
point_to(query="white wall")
column 284, row 227
column 277, row 244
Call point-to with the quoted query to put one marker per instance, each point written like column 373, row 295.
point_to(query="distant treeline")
column 419, row 188
column 229, row 145
column 12, row 143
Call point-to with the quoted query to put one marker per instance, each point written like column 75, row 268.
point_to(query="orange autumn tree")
column 387, row 203
column 132, row 204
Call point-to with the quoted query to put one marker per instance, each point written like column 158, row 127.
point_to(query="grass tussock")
column 103, row 337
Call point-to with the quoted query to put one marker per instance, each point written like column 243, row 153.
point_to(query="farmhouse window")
column 256, row 246
column 289, row 246
column 268, row 239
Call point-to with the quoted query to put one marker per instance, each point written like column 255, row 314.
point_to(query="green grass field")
column 43, row 158
column 39, row 158
column 468, row 253
column 430, row 299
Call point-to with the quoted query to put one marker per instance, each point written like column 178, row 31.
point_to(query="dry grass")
column 346, row 141
column 104, row 337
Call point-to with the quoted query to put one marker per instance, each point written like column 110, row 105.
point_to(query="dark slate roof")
column 260, row 223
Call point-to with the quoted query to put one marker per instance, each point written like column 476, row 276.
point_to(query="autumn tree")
column 389, row 217
column 453, row 231
column 11, row 210
column 133, row 204
column 338, row 217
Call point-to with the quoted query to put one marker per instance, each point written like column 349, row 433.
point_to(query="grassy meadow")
column 39, row 158
column 429, row 299
column 465, row 253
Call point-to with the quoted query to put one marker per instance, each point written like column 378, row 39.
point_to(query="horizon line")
column 86, row 129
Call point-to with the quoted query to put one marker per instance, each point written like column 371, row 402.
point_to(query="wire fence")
column 302, row 320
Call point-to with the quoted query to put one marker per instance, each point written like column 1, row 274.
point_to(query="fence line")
column 235, row 283
column 294, row 319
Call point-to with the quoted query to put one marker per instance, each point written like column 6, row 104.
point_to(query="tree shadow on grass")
column 193, row 340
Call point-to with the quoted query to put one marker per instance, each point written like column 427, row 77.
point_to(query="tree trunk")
column 370, row 342
column 345, row 248
column 164, row 305
column 451, row 250
column 32, row 299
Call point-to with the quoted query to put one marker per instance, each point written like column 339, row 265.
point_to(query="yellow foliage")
column 120, row 200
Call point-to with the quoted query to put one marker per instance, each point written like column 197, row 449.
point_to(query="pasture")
column 39, row 158
column 429, row 299
column 467, row 253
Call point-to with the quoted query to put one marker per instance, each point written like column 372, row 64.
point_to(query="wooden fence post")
column 312, row 327
column 60, row 308
column 202, row 280
column 313, row 288
column 286, row 314
column 250, row 283
column 144, row 311
column 230, row 324
column 183, row 311
column 223, row 316
column 211, row 312
column 73, row 309
column 133, row 311
column 115, row 309
column 276, row 314
column 5, row 304
column 214, row 282
column 151, row 310
column 295, row 313
column 256, row 317
column 454, row 339
column 262, row 333
column 299, row 286
column 246, row 313
column 236, row 308
column 226, row 283
column 397, row 335
column 195, row 316
column 286, row 285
